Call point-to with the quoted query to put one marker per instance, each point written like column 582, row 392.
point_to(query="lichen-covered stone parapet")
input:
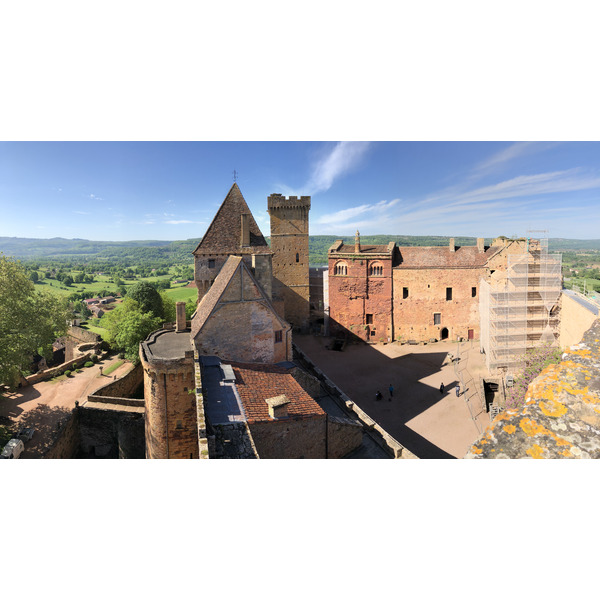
column 561, row 417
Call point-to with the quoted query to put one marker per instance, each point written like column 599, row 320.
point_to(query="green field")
column 99, row 330
column 182, row 293
column 103, row 282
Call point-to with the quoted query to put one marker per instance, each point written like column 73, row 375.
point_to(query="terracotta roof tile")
column 414, row 257
column 257, row 383
column 224, row 233
column 364, row 249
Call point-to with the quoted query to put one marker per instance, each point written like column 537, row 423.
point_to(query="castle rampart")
column 561, row 416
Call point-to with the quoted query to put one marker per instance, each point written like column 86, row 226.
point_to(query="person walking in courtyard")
column 391, row 391
column 442, row 388
column 378, row 395
column 457, row 390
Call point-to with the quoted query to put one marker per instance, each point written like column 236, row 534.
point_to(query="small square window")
column 448, row 293
column 369, row 319
column 473, row 292
column 211, row 263
column 437, row 318
column 372, row 332
column 404, row 292
column 278, row 336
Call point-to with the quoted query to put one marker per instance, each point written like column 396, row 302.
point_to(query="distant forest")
column 179, row 252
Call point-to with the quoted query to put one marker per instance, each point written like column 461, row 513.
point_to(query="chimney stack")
column 245, row 241
column 357, row 242
column 451, row 245
column 278, row 406
column 180, row 322
column 480, row 245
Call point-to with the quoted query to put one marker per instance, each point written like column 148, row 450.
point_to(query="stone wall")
column 357, row 294
column 575, row 320
column 343, row 436
column 107, row 432
column 309, row 383
column 234, row 441
column 66, row 443
column 414, row 315
column 561, row 416
column 83, row 335
column 124, row 386
column 76, row 336
column 291, row 437
column 55, row 371
column 244, row 332
column 203, row 442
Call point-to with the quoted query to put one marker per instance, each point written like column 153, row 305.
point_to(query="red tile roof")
column 423, row 257
column 364, row 249
column 256, row 383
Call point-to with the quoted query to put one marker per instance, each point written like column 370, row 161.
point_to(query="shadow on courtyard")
column 46, row 421
column 360, row 370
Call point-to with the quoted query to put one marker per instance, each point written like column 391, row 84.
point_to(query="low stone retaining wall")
column 395, row 448
column 54, row 371
column 122, row 387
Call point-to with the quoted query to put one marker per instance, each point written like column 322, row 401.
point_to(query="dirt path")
column 430, row 424
column 46, row 404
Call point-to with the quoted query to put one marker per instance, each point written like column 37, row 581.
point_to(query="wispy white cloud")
column 521, row 187
column 81, row 212
column 342, row 217
column 183, row 222
column 333, row 164
column 509, row 154
column 344, row 157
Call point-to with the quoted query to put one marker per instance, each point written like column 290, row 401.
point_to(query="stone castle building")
column 421, row 294
column 224, row 384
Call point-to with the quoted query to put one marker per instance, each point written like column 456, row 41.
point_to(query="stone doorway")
column 444, row 333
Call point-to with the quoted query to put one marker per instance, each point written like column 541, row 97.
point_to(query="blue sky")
column 171, row 190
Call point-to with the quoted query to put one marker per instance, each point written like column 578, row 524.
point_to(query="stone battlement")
column 280, row 201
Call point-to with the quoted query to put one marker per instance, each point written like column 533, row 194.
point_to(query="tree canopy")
column 128, row 325
column 147, row 297
column 30, row 321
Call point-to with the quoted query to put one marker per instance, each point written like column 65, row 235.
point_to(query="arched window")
column 376, row 269
column 341, row 268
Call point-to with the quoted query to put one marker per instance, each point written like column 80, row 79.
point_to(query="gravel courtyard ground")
column 430, row 424
column 45, row 404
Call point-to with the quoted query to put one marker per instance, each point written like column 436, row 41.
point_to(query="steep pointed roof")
column 224, row 233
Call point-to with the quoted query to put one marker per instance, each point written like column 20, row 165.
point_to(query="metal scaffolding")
column 521, row 313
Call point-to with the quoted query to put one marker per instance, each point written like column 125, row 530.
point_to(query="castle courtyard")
column 425, row 421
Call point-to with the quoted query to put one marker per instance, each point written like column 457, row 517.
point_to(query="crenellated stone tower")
column 289, row 244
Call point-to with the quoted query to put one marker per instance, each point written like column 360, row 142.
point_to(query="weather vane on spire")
column 235, row 176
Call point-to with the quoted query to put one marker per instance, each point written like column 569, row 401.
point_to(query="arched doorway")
column 444, row 333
